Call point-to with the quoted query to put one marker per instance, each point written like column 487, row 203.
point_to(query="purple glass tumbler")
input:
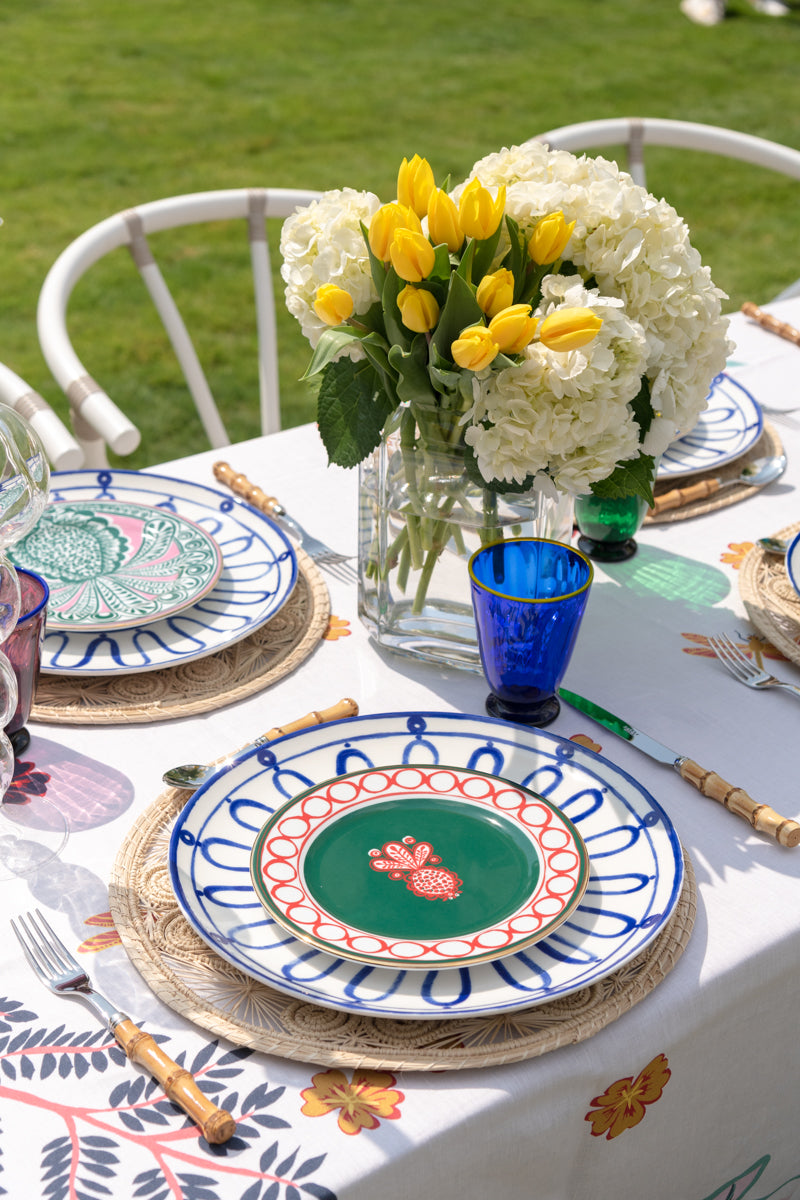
column 23, row 649
column 528, row 595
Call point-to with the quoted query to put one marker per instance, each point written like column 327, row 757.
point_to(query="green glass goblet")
column 607, row 527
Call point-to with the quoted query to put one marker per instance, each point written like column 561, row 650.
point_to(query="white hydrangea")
column 636, row 248
column 562, row 417
column 323, row 243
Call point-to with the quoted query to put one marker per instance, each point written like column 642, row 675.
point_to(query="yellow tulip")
column 474, row 348
column 513, row 328
column 496, row 292
column 444, row 227
column 569, row 328
column 418, row 308
column 384, row 225
column 415, row 184
column 478, row 213
column 332, row 305
column 549, row 239
column 412, row 255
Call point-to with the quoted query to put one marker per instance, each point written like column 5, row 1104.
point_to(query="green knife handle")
column 760, row 816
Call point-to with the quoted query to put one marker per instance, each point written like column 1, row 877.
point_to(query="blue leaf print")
column 308, row 1166
column 132, row 1122
column 287, row 1163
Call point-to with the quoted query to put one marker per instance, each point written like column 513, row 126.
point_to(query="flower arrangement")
column 554, row 312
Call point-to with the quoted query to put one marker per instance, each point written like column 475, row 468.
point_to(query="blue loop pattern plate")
column 258, row 575
column 731, row 423
column 636, row 864
column 793, row 563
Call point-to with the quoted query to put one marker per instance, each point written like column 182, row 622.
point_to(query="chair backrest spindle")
column 97, row 420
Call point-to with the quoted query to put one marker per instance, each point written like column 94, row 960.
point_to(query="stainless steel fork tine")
column 736, row 658
column 57, row 947
column 28, row 951
column 40, row 945
column 721, row 648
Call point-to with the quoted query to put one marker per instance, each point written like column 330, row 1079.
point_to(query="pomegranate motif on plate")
column 418, row 867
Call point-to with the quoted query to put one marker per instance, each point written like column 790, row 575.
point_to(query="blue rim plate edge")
column 314, row 991
column 219, row 502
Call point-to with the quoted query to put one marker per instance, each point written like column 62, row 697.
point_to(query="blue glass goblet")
column 528, row 595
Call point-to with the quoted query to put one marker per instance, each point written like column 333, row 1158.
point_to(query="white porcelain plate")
column 113, row 565
column 419, row 866
column 258, row 574
column 635, row 877
column 730, row 424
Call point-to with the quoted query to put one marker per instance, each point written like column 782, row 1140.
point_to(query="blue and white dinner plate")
column 731, row 423
column 793, row 563
column 258, row 575
column 635, row 880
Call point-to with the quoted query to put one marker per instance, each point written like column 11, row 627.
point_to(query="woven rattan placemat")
column 767, row 445
column 248, row 666
column 188, row 976
column 772, row 603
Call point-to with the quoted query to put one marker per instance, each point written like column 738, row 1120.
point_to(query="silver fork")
column 338, row 565
column 743, row 669
column 64, row 976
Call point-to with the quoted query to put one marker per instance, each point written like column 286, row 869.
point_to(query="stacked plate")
column 148, row 572
column 425, row 865
column 729, row 426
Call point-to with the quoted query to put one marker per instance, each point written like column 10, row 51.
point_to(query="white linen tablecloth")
column 715, row 1040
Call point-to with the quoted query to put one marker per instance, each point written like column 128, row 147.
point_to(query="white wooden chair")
column 634, row 133
column 61, row 448
column 97, row 420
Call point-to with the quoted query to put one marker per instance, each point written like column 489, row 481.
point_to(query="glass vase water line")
column 421, row 517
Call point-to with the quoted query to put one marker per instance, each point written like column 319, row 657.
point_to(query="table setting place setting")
column 358, row 801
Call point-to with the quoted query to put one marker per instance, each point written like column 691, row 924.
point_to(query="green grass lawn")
column 109, row 104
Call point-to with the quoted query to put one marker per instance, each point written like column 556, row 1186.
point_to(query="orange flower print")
column 734, row 555
column 337, row 627
column 622, row 1105
column 756, row 647
column 583, row 739
column 100, row 941
column 367, row 1096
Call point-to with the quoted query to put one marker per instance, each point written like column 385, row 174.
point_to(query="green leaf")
column 377, row 268
column 396, row 331
column 413, row 382
column 461, row 309
column 516, row 260
column 372, row 319
column 464, row 269
column 377, row 351
column 352, row 409
column 634, row 477
column 484, row 253
column 331, row 343
column 442, row 268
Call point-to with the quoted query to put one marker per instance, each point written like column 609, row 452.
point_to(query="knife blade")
column 708, row 783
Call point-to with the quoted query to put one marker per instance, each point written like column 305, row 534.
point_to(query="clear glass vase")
column 420, row 519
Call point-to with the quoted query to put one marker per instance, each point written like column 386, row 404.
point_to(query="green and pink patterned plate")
column 419, row 867
column 115, row 564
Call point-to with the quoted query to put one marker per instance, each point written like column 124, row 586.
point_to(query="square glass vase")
column 420, row 519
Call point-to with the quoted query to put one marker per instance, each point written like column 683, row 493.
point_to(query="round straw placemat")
column 772, row 604
column 187, row 975
column 268, row 654
column 767, row 445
